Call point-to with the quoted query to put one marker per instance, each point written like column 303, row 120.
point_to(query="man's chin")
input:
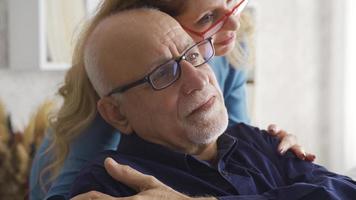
column 206, row 126
column 208, row 132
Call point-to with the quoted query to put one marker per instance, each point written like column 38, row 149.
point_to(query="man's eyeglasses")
column 237, row 6
column 166, row 74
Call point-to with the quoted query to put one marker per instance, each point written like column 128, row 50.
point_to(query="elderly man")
column 158, row 90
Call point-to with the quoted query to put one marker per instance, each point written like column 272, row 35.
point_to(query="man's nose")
column 193, row 78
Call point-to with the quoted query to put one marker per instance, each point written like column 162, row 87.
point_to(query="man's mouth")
column 205, row 106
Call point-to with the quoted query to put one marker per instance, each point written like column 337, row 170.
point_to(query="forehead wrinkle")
column 177, row 40
column 165, row 37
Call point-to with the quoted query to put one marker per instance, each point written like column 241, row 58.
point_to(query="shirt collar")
column 133, row 145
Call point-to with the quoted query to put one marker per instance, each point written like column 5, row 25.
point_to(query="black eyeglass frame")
column 178, row 59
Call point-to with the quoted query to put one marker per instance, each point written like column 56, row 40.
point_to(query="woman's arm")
column 99, row 136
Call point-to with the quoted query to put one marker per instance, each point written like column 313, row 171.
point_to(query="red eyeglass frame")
column 221, row 21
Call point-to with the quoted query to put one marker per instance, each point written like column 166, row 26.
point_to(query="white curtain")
column 63, row 18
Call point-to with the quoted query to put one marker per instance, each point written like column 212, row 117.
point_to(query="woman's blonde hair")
column 243, row 53
column 79, row 105
column 79, row 97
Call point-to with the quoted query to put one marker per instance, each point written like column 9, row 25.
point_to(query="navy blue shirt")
column 247, row 167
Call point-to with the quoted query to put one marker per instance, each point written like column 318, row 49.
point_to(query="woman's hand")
column 289, row 142
column 147, row 187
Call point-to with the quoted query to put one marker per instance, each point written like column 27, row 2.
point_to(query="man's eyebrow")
column 187, row 45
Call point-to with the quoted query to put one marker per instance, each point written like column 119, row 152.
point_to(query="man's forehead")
column 177, row 38
column 161, row 29
column 131, row 44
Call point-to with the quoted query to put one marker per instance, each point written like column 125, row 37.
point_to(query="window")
column 42, row 32
column 61, row 24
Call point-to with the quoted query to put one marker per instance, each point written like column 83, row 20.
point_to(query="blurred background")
column 302, row 77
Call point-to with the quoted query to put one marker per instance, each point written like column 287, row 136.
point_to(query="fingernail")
column 274, row 129
column 313, row 157
column 111, row 161
column 282, row 150
column 303, row 156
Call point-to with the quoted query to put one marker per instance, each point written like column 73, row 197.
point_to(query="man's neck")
column 208, row 153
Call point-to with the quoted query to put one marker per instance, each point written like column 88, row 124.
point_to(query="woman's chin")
column 222, row 50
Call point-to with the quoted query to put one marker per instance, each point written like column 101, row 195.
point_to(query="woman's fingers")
column 287, row 141
column 310, row 157
column 272, row 129
column 298, row 151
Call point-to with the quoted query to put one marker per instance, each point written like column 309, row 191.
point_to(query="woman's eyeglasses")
column 237, row 7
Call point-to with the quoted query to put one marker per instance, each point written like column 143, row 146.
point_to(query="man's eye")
column 161, row 74
column 208, row 18
column 193, row 57
column 232, row 1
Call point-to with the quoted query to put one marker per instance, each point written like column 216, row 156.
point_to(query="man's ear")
column 109, row 109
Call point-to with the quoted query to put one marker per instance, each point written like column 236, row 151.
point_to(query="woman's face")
column 200, row 15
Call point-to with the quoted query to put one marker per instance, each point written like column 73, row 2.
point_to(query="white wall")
column 300, row 59
column 288, row 60
column 3, row 34
column 350, row 86
column 23, row 91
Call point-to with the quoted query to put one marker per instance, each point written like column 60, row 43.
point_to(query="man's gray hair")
column 96, row 76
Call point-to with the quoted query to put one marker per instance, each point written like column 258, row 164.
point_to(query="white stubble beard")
column 206, row 127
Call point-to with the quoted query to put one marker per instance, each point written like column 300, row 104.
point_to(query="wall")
column 299, row 59
column 3, row 34
column 350, row 85
column 23, row 91
column 287, row 91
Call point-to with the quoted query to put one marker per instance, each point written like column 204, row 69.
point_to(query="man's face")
column 189, row 113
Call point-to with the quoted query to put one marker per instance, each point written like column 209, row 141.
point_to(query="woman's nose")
column 232, row 23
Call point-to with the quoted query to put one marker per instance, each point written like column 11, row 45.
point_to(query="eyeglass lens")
column 241, row 4
column 169, row 72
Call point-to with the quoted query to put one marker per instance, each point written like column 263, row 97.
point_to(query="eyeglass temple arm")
column 128, row 86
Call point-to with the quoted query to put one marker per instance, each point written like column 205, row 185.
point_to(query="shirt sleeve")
column 38, row 183
column 232, row 82
column 301, row 191
column 99, row 135
column 235, row 96
column 311, row 181
column 304, row 180
column 95, row 178
column 318, row 179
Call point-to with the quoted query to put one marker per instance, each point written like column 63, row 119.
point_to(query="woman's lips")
column 204, row 106
column 226, row 41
